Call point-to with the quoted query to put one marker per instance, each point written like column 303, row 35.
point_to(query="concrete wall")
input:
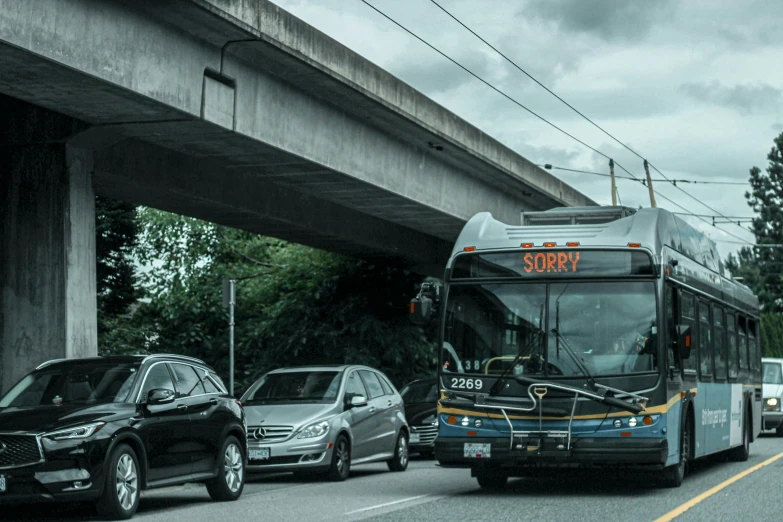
column 47, row 246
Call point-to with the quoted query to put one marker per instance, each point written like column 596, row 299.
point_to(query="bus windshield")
column 609, row 326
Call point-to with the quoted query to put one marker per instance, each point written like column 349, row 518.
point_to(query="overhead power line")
column 604, row 174
column 519, row 104
column 550, row 91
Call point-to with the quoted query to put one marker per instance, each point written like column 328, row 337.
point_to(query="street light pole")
column 229, row 300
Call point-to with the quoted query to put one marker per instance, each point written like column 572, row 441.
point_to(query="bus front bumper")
column 585, row 451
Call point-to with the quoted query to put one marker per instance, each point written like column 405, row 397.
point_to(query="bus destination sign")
column 552, row 264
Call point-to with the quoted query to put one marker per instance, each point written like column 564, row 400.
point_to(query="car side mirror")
column 160, row 396
column 684, row 340
column 357, row 401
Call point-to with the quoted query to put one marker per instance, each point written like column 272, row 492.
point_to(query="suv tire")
column 230, row 480
column 120, row 497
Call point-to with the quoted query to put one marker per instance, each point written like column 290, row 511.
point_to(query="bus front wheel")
column 673, row 476
column 741, row 453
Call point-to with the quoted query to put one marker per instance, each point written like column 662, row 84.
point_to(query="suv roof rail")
column 174, row 356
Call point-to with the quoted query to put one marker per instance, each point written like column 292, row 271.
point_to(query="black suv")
column 421, row 411
column 105, row 428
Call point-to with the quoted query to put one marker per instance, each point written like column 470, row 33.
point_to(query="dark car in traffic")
column 105, row 428
column 421, row 404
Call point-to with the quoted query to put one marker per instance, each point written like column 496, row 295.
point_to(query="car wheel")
column 399, row 462
column 741, row 453
column 491, row 478
column 230, row 480
column 120, row 498
column 340, row 467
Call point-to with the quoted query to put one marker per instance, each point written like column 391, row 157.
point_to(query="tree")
column 766, row 199
column 116, row 236
column 296, row 305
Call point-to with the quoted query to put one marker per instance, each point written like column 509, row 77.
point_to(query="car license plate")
column 415, row 438
column 2, row 484
column 259, row 453
column 477, row 451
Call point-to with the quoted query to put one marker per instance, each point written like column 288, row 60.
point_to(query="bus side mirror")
column 684, row 340
column 421, row 310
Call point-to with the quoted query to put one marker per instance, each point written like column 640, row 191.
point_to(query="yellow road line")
column 671, row 515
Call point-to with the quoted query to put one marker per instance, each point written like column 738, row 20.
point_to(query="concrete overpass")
column 232, row 111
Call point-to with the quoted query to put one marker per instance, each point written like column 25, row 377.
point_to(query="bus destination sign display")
column 552, row 264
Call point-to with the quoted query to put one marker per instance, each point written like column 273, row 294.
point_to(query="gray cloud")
column 610, row 20
column 744, row 98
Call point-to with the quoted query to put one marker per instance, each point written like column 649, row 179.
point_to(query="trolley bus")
column 592, row 336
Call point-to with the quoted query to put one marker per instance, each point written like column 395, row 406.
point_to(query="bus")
column 591, row 337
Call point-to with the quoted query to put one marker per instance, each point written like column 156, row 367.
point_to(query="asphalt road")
column 428, row 493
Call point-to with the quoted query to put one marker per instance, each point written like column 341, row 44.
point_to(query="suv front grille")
column 427, row 434
column 19, row 450
column 268, row 434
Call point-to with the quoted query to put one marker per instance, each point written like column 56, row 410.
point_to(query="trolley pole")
column 614, row 186
column 649, row 184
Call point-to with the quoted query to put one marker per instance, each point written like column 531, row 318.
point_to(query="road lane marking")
column 671, row 515
column 387, row 504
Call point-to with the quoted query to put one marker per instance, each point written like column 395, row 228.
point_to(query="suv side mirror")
column 684, row 338
column 160, row 396
column 357, row 401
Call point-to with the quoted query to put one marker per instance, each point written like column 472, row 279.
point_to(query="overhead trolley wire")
column 607, row 133
column 604, row 174
column 519, row 104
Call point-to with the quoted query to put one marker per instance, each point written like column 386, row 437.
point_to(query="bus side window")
column 670, row 314
column 753, row 346
column 705, row 341
column 719, row 328
column 743, row 344
column 731, row 325
column 688, row 318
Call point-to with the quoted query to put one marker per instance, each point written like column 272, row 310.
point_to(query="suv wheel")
column 341, row 460
column 400, row 460
column 230, row 480
column 120, row 498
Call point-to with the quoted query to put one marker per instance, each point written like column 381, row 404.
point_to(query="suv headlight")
column 79, row 432
column 314, row 430
column 772, row 402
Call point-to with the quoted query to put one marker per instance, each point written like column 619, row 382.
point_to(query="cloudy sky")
column 696, row 87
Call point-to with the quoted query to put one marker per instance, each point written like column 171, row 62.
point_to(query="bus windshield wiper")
column 570, row 351
column 495, row 389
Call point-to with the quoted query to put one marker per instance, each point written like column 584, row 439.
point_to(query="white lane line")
column 387, row 504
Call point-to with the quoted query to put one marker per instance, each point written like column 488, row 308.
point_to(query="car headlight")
column 772, row 402
column 79, row 432
column 314, row 430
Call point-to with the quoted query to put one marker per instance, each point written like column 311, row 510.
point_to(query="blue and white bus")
column 595, row 336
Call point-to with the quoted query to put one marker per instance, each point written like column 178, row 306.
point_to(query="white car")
column 773, row 394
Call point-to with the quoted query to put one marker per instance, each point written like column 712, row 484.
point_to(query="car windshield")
column 420, row 392
column 89, row 383
column 609, row 326
column 772, row 373
column 321, row 386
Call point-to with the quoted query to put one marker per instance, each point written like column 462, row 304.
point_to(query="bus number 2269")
column 466, row 384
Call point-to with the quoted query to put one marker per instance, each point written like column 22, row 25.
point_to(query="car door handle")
column 372, row 409
column 182, row 407
column 389, row 403
column 213, row 401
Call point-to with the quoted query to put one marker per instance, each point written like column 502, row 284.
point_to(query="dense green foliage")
column 761, row 268
column 295, row 305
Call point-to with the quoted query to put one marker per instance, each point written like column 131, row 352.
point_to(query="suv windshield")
column 610, row 326
column 420, row 392
column 772, row 373
column 85, row 383
column 295, row 386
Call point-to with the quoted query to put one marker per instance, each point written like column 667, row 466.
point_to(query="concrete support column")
column 47, row 255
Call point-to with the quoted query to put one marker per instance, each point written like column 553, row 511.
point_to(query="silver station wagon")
column 324, row 419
